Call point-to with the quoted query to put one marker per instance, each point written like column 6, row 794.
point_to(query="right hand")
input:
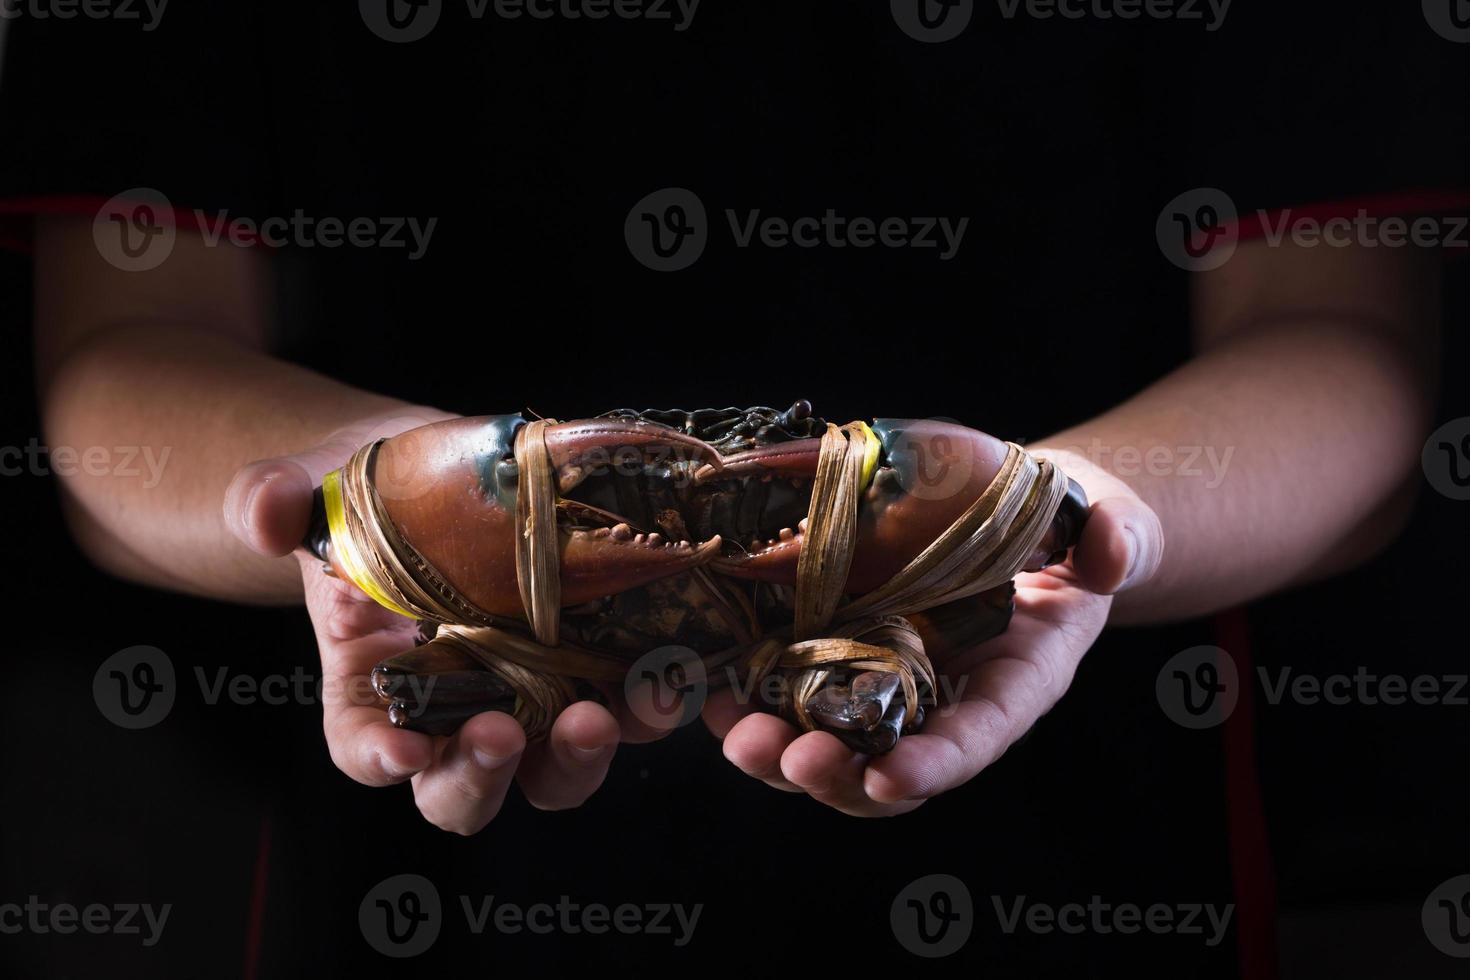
column 459, row 781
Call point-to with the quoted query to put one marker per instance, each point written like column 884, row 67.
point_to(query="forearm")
column 1276, row 455
column 192, row 407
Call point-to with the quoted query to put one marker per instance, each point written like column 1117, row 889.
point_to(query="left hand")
column 998, row 689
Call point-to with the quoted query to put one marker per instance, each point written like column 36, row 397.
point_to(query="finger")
column 268, row 505
column 755, row 746
column 567, row 768
column 353, row 633
column 363, row 743
column 649, row 710
column 959, row 741
column 831, row 773
column 369, row 748
column 465, row 788
column 723, row 710
column 1121, row 545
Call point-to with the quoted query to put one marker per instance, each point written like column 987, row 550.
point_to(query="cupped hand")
column 459, row 781
column 990, row 695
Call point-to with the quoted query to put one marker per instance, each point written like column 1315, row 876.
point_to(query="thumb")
column 1121, row 545
column 268, row 504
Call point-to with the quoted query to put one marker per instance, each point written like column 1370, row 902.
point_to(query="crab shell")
column 450, row 490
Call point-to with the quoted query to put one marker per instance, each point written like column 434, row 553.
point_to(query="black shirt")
column 1036, row 154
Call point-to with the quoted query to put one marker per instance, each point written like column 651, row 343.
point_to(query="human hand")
column 459, row 781
column 990, row 695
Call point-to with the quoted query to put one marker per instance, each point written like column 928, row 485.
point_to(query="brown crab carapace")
column 649, row 502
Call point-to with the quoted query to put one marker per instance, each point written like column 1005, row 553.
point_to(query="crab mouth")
column 731, row 516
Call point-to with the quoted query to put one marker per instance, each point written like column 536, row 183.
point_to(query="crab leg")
column 438, row 703
column 435, row 688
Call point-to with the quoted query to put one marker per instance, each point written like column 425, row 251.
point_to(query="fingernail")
column 247, row 508
column 485, row 760
column 1133, row 550
column 879, row 789
column 394, row 770
column 584, row 754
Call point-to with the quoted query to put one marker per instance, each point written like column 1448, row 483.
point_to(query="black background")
column 530, row 141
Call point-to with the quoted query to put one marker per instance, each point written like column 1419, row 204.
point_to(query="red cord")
column 255, row 924
column 1251, row 868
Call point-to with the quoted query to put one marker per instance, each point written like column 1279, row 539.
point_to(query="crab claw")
column 449, row 490
column 929, row 473
column 591, row 446
column 606, row 561
column 786, row 459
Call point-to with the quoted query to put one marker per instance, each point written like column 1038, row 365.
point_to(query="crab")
column 676, row 527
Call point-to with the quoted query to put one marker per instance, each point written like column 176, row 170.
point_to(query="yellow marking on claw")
column 870, row 459
column 350, row 561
